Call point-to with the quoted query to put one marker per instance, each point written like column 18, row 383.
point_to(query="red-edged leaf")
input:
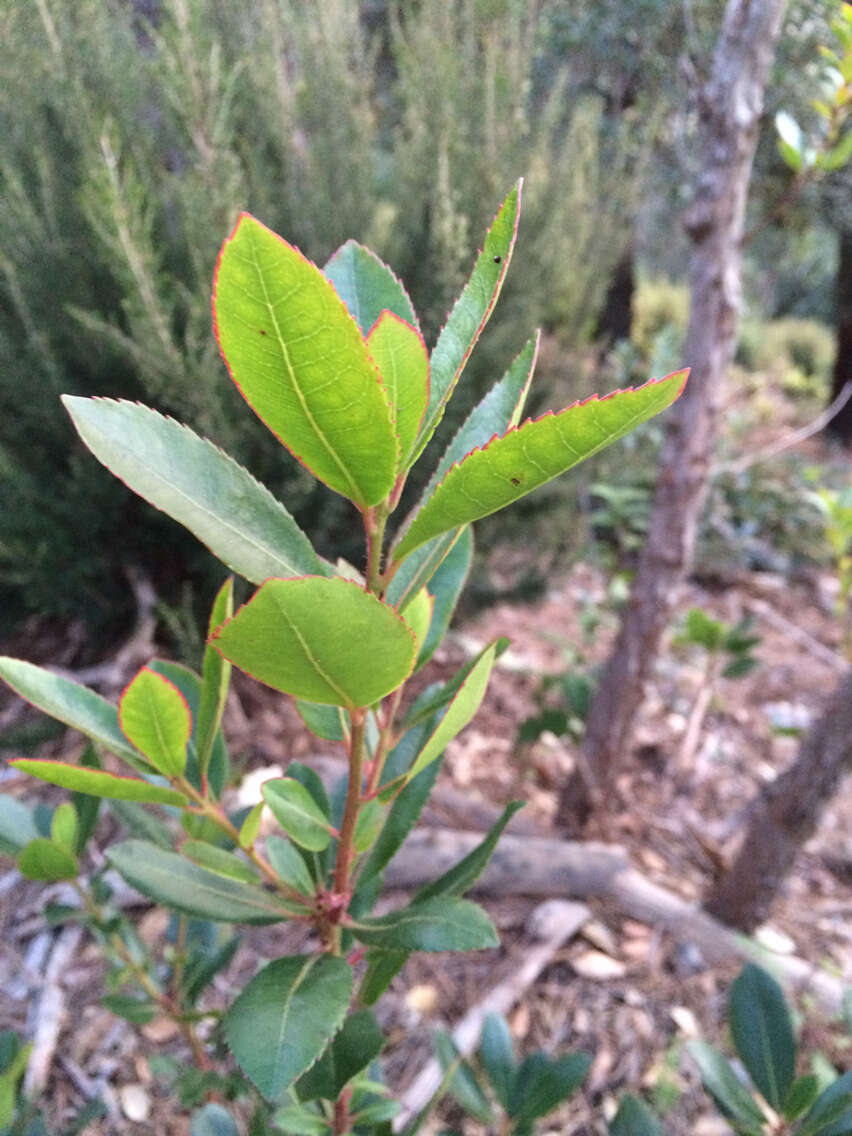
column 527, row 456
column 300, row 361
column 98, row 783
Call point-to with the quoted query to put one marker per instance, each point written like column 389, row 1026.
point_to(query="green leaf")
column 377, row 1112
column 212, row 1120
column 87, row 806
column 142, row 823
column 73, row 704
column 417, row 570
column 250, row 827
column 197, row 485
column 634, row 1118
column 202, row 969
column 133, row 1008
column 401, row 818
column 189, row 684
column 310, row 638
column 97, row 782
column 285, row 1017
column 301, row 363
column 298, row 814
column 470, row 314
column 722, row 1083
column 831, row 1115
column 215, row 680
column 463, row 707
column 313, row 783
column 521, row 460
column 763, row 1033
column 441, row 924
column 497, row 1056
column 803, row 1092
column 499, row 411
column 462, row 1084
column 446, row 586
column 382, row 968
column 296, row 1121
column 42, row 859
column 178, row 883
column 155, row 717
column 218, row 860
column 17, row 827
column 63, row 826
column 436, row 696
column 739, row 667
column 418, row 615
column 368, row 825
column 289, row 864
column 468, row 870
column 367, row 286
column 400, row 354
column 10, row 1074
column 703, row 630
column 331, row 723
column 792, row 158
column 541, row 1084
column 359, row 1042
column 837, row 157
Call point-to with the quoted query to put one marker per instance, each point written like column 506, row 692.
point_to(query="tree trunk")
column 730, row 107
column 785, row 816
column 841, row 424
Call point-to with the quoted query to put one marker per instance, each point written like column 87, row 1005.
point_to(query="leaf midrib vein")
column 289, row 367
column 310, row 655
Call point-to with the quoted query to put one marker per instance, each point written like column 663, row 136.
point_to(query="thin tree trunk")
column 785, row 816
column 841, row 424
column 730, row 108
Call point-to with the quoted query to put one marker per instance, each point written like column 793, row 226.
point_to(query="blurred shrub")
column 128, row 145
column 760, row 519
column 660, row 308
column 798, row 353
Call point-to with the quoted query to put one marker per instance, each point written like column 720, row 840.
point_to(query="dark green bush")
column 128, row 146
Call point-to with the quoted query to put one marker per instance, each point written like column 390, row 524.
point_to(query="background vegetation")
column 132, row 133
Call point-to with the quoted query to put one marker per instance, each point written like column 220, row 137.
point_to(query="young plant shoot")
column 334, row 364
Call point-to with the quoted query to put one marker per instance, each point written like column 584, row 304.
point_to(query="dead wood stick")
column 553, row 922
column 788, row 440
column 521, row 865
column 530, row 866
column 50, row 1011
column 792, row 631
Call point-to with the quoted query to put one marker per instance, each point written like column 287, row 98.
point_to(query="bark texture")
column 785, row 816
column 841, row 424
column 730, row 106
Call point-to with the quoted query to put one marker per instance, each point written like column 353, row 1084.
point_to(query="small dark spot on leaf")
column 262, row 332
column 515, row 480
column 497, row 259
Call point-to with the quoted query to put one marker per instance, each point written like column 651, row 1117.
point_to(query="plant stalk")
column 215, row 813
column 168, row 1005
column 375, row 520
column 345, row 845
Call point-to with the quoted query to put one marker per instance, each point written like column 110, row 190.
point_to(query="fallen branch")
column 50, row 1010
column 536, row 867
column 792, row 631
column 789, row 440
column 554, row 923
